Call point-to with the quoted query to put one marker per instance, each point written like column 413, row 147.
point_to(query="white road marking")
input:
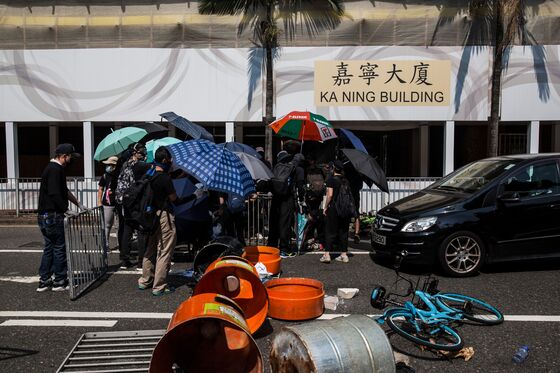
column 166, row 316
column 4, row 251
column 84, row 323
column 32, row 279
column 88, row 315
column 337, row 252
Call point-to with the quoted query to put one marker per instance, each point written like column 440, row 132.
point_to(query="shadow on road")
column 12, row 353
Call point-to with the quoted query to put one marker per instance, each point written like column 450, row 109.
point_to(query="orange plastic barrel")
column 267, row 255
column 237, row 279
column 207, row 333
column 293, row 298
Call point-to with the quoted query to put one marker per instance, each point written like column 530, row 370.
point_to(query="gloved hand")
column 81, row 207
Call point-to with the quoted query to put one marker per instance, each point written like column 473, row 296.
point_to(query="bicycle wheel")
column 472, row 309
column 437, row 337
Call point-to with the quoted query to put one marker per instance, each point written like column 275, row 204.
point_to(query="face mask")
column 70, row 161
column 109, row 169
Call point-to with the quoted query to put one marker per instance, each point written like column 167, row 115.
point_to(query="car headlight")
column 419, row 225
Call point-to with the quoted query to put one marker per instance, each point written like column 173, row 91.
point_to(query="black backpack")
column 344, row 204
column 138, row 204
column 281, row 183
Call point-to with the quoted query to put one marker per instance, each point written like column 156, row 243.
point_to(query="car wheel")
column 461, row 254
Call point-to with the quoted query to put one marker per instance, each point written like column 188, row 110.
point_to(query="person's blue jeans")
column 54, row 252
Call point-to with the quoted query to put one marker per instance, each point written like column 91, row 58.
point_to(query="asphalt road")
column 520, row 289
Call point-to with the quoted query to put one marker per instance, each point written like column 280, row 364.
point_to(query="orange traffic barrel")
column 237, row 279
column 207, row 333
column 293, row 298
column 267, row 255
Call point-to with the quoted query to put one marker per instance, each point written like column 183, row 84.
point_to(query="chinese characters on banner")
column 382, row 83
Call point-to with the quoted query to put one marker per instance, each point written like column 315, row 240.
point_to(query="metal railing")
column 21, row 196
column 86, row 252
column 258, row 213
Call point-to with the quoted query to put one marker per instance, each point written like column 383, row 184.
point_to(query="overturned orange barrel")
column 237, row 279
column 295, row 298
column 267, row 255
column 207, row 333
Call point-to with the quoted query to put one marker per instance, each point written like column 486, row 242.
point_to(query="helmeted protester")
column 106, row 195
column 53, row 204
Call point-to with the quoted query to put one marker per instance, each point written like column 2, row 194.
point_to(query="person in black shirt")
column 336, row 230
column 106, row 195
column 53, row 203
column 161, row 243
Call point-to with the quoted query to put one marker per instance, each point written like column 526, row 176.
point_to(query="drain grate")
column 103, row 352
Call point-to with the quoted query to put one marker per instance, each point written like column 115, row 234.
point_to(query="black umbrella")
column 155, row 131
column 368, row 168
column 192, row 129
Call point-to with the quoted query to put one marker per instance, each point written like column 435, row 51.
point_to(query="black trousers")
column 336, row 231
column 316, row 224
column 234, row 224
column 124, row 236
column 281, row 222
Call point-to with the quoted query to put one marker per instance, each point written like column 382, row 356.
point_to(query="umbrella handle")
column 302, row 136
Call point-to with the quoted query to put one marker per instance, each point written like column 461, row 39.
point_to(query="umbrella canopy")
column 367, row 167
column 348, row 139
column 216, row 167
column 153, row 145
column 183, row 187
column 304, row 125
column 117, row 141
column 238, row 147
column 256, row 167
column 155, row 131
column 192, row 129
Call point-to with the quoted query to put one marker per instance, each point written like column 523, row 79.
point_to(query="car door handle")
column 555, row 206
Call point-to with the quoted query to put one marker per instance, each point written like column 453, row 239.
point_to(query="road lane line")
column 95, row 315
column 165, row 315
column 83, row 323
column 4, row 251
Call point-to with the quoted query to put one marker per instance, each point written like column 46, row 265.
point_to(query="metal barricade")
column 85, row 249
column 258, row 216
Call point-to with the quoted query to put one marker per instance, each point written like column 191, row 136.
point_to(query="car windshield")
column 474, row 176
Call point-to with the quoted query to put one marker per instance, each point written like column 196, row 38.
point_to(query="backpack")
column 138, row 204
column 281, row 182
column 235, row 203
column 344, row 204
column 315, row 186
column 125, row 181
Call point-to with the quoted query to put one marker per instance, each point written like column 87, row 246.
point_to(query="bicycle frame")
column 436, row 314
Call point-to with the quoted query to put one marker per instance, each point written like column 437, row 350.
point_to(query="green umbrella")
column 117, row 141
column 153, row 145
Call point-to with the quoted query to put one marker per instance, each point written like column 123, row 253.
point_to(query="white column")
column 556, row 138
column 533, row 137
column 448, row 147
column 424, row 150
column 88, row 151
column 230, row 131
column 12, row 161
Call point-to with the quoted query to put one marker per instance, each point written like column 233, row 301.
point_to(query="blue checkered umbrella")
column 216, row 167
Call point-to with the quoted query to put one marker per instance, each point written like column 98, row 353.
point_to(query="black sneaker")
column 61, row 287
column 44, row 286
column 125, row 264
column 356, row 238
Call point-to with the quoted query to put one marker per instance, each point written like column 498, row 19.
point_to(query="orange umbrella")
column 304, row 125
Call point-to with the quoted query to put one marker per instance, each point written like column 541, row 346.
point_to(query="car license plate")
column 377, row 238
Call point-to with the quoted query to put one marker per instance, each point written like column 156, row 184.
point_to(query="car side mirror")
column 510, row 197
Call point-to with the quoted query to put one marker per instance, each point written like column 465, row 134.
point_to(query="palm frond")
column 309, row 16
column 227, row 7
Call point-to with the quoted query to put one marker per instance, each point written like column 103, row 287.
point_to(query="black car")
column 495, row 209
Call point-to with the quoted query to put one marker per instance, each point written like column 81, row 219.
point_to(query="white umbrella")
column 255, row 166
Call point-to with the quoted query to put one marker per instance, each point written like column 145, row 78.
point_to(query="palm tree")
column 313, row 16
column 501, row 22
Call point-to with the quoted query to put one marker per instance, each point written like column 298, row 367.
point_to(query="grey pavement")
column 516, row 289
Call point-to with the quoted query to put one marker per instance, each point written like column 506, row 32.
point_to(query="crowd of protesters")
column 302, row 186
